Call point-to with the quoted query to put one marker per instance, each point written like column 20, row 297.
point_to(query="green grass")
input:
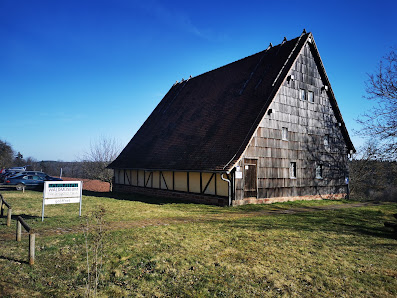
column 155, row 248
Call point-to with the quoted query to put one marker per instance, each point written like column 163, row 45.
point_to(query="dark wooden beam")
column 208, row 183
column 165, row 182
column 201, row 182
column 187, row 181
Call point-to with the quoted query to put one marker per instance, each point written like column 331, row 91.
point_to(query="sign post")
column 61, row 192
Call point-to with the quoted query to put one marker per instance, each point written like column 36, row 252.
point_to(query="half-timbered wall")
column 191, row 182
column 299, row 135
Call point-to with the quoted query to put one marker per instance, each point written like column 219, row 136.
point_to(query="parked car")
column 18, row 169
column 29, row 181
column 37, row 173
column 5, row 173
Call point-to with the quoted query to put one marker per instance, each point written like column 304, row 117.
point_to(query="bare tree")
column 100, row 154
column 372, row 176
column 381, row 121
column 6, row 155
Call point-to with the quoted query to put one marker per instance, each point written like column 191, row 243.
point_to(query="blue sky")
column 73, row 71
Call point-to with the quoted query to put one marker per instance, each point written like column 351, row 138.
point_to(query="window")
column 292, row 170
column 302, row 94
column 326, row 140
column 284, row 135
column 310, row 96
column 319, row 171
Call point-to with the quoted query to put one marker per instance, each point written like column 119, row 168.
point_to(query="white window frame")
column 292, row 170
column 310, row 96
column 319, row 171
column 302, row 94
column 326, row 141
column 284, row 134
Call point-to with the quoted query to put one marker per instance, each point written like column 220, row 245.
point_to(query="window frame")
column 302, row 92
column 284, row 133
column 319, row 171
column 312, row 96
column 326, row 140
column 292, row 170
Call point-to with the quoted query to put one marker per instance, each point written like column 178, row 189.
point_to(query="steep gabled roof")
column 206, row 122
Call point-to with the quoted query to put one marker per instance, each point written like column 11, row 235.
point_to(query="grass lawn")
column 153, row 247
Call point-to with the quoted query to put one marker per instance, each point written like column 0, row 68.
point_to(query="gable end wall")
column 308, row 124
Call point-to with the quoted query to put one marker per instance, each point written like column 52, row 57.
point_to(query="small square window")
column 319, row 171
column 284, row 135
column 292, row 170
column 302, row 94
column 310, row 96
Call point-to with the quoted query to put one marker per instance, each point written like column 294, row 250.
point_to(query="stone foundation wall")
column 287, row 199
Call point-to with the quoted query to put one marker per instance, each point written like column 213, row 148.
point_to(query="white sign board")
column 61, row 192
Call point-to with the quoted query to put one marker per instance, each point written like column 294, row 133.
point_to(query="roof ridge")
column 270, row 47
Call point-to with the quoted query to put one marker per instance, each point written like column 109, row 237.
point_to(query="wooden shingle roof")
column 206, row 122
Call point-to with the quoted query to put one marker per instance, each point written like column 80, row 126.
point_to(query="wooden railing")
column 20, row 223
column 32, row 237
column 4, row 204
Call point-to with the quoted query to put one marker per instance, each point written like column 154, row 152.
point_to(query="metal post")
column 42, row 210
column 19, row 230
column 9, row 217
column 31, row 248
column 81, row 197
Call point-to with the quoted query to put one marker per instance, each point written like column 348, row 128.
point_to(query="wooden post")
column 19, row 230
column 31, row 248
column 9, row 216
column 1, row 206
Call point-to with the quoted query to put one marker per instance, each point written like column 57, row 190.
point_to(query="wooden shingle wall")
column 308, row 124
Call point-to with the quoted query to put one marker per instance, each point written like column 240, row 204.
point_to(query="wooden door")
column 250, row 178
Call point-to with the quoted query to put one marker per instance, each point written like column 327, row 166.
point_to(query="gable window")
column 326, row 140
column 284, row 135
column 310, row 96
column 292, row 170
column 319, row 171
column 302, row 94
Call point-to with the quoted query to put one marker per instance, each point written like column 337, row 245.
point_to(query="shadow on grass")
column 13, row 260
column 14, row 218
column 25, row 216
column 343, row 221
column 136, row 197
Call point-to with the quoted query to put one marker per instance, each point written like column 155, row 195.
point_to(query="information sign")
column 61, row 192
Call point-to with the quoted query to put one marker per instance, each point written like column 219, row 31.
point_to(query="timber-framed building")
column 265, row 128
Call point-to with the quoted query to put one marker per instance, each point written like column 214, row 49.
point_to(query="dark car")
column 29, row 181
column 8, row 173
column 37, row 173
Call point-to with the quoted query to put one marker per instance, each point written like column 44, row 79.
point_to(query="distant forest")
column 73, row 169
column 373, row 180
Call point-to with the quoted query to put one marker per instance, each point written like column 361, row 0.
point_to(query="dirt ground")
column 92, row 185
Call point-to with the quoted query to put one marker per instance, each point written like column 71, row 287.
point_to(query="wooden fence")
column 32, row 237
column 20, row 223
column 4, row 204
